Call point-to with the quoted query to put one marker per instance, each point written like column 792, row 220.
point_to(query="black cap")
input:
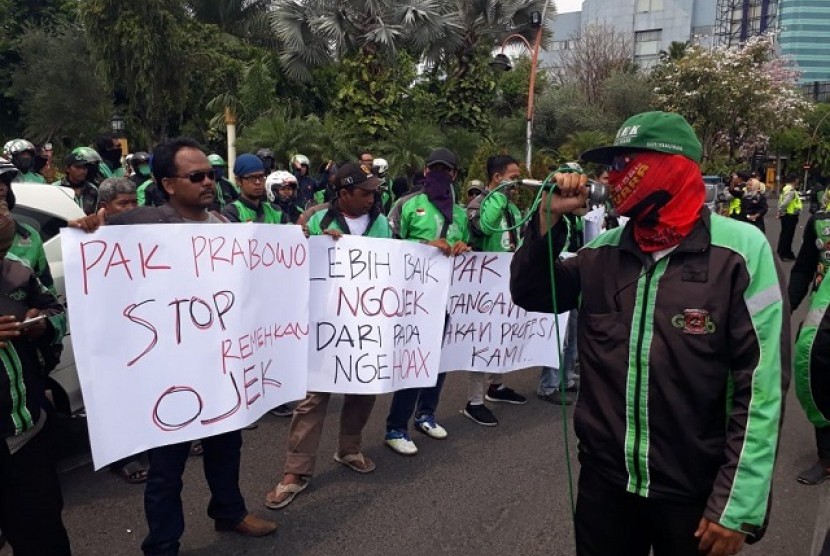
column 443, row 156
column 72, row 159
column 352, row 175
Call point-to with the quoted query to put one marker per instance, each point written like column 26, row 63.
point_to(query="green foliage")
column 15, row 17
column 406, row 149
column 370, row 90
column 135, row 59
column 468, row 93
column 45, row 85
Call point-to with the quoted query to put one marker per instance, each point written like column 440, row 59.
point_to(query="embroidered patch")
column 18, row 294
column 694, row 321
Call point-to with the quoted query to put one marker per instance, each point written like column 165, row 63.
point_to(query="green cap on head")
column 664, row 132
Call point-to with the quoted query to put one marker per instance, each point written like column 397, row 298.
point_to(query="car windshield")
column 47, row 225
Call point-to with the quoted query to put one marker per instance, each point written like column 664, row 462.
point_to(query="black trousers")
column 610, row 520
column 30, row 499
column 163, row 490
column 785, row 240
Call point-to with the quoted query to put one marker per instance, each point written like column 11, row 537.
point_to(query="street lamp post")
column 502, row 62
column 119, row 129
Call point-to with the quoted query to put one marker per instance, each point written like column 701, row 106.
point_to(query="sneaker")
column 556, row 397
column 427, row 425
column 504, row 395
column 283, row 410
column 401, row 443
column 480, row 414
column 814, row 475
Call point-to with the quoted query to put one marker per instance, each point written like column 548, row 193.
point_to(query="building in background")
column 653, row 25
column 805, row 36
column 738, row 20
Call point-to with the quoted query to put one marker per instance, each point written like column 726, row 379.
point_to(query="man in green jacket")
column 353, row 211
column 432, row 217
column 493, row 220
column 252, row 205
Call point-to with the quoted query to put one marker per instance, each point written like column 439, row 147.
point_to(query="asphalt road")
column 482, row 491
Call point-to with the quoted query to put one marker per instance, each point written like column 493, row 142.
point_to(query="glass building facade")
column 805, row 36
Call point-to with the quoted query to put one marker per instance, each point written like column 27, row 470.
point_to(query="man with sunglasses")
column 186, row 179
column 684, row 351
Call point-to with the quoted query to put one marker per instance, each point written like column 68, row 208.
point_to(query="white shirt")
column 357, row 226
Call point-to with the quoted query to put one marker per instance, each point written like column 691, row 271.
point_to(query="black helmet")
column 139, row 159
column 266, row 153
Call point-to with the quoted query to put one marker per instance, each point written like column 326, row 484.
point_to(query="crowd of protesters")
column 708, row 492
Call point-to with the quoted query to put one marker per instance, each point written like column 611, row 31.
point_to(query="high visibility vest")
column 795, row 205
column 735, row 206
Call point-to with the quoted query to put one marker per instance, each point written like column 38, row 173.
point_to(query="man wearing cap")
column 473, row 190
column 252, row 205
column 432, row 217
column 76, row 168
column 353, row 211
column 683, row 347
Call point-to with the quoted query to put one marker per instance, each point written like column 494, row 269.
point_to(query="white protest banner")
column 184, row 331
column 486, row 330
column 594, row 222
column 377, row 312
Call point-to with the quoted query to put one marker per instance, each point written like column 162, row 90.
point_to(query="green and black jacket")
column 242, row 210
column 812, row 347
column 21, row 374
column 685, row 361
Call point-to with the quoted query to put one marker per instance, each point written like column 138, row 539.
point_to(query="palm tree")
column 246, row 19
column 313, row 32
column 676, row 51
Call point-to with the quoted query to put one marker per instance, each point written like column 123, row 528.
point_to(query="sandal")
column 356, row 462
column 196, row 448
column 814, row 475
column 283, row 495
column 132, row 472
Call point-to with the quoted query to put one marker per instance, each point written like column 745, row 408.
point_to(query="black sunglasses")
column 198, row 177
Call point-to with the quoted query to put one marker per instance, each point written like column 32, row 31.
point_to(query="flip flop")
column 356, row 462
column 274, row 500
column 132, row 472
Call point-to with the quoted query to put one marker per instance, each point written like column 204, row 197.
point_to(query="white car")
column 48, row 208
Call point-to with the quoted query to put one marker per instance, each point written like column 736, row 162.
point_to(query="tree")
column 60, row 100
column 473, row 30
column 598, row 52
column 734, row 97
column 141, row 53
column 15, row 17
column 246, row 19
column 675, row 52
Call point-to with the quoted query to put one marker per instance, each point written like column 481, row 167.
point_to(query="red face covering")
column 662, row 194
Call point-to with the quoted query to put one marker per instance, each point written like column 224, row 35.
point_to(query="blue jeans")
column 549, row 378
column 404, row 403
column 162, row 495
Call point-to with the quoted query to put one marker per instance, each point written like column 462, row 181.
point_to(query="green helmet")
column 216, row 160
column 90, row 155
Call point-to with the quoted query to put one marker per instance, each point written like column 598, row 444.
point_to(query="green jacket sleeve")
column 492, row 212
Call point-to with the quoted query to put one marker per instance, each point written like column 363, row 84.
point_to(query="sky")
column 563, row 6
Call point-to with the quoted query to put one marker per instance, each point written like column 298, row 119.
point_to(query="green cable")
column 546, row 186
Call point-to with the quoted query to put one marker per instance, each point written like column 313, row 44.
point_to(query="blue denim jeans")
column 549, row 378
column 163, row 492
column 421, row 401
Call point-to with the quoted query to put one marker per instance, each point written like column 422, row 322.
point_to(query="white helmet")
column 300, row 159
column 275, row 180
column 380, row 167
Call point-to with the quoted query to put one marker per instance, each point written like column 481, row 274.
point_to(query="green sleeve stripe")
column 804, row 345
column 749, row 492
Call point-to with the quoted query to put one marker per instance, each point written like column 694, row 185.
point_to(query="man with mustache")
column 684, row 351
